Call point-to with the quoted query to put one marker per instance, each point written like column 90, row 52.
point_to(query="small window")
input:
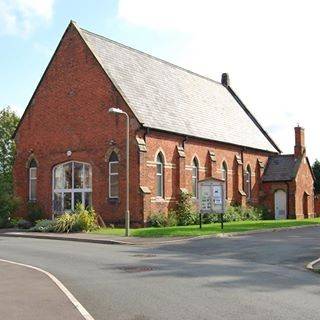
column 247, row 182
column 113, row 176
column 195, row 177
column 224, row 171
column 33, row 180
column 159, row 176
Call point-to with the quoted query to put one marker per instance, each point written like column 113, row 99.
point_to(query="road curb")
column 40, row 236
column 310, row 265
column 85, row 314
column 148, row 243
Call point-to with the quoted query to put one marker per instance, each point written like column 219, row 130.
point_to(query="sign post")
column 211, row 200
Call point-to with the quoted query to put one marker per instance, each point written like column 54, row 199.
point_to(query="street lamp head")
column 115, row 110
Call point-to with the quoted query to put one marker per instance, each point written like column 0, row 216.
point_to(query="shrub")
column 80, row 220
column 64, row 223
column 210, row 218
column 44, row 226
column 24, row 224
column 8, row 205
column 85, row 219
column 186, row 213
column 238, row 213
column 172, row 219
column 34, row 212
column 157, row 219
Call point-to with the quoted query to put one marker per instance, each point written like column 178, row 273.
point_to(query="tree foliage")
column 8, row 123
column 316, row 172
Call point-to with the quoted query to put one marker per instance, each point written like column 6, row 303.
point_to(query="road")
column 259, row 276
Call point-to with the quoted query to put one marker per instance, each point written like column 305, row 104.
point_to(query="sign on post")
column 211, row 193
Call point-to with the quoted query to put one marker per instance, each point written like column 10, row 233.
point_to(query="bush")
column 34, row 212
column 44, row 226
column 8, row 205
column 157, row 219
column 186, row 213
column 238, row 213
column 172, row 219
column 80, row 220
column 24, row 224
column 86, row 219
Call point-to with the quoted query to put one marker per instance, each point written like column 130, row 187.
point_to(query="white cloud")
column 269, row 48
column 22, row 16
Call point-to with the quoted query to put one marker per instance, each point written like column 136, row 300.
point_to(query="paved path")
column 254, row 277
column 29, row 295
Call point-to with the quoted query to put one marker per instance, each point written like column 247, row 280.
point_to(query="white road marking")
column 86, row 315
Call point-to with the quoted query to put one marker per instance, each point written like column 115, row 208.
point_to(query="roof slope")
column 166, row 97
column 281, row 168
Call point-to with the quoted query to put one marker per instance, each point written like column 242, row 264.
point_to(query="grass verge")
column 193, row 231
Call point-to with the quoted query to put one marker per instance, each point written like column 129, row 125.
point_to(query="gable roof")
column 281, row 168
column 167, row 97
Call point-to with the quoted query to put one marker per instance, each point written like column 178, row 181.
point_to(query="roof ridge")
column 151, row 56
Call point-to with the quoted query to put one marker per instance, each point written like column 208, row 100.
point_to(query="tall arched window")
column 113, row 175
column 224, row 171
column 195, row 177
column 72, row 184
column 247, row 182
column 33, row 180
column 159, row 176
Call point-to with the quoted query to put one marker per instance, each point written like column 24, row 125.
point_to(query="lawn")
column 209, row 228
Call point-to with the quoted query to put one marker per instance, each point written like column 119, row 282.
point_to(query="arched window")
column 247, row 182
column 113, row 175
column 72, row 184
column 224, row 171
column 159, row 177
column 33, row 180
column 195, row 177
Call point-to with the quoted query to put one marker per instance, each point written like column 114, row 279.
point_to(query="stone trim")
column 141, row 144
column 181, row 152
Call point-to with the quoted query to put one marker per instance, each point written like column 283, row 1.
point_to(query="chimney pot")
column 225, row 80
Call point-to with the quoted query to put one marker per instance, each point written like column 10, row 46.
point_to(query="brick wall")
column 70, row 112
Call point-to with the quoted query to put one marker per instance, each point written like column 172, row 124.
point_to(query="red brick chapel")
column 184, row 127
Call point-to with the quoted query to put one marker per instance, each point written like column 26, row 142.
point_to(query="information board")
column 211, row 196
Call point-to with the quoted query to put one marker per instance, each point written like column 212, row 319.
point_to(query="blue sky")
column 268, row 48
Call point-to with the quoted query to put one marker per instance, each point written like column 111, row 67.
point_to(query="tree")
column 316, row 172
column 8, row 123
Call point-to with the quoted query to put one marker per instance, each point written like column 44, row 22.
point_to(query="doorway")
column 280, row 204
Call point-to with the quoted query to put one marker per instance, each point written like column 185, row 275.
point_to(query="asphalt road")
column 259, row 276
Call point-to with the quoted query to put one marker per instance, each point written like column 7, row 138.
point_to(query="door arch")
column 280, row 204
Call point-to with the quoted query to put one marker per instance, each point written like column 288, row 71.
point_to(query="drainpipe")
column 185, row 139
column 288, row 198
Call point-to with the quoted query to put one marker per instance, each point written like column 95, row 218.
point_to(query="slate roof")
column 281, row 168
column 166, row 97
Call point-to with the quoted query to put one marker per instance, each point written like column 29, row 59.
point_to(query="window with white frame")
column 159, row 176
column 247, row 182
column 113, row 175
column 195, row 177
column 72, row 184
column 224, row 171
column 33, row 180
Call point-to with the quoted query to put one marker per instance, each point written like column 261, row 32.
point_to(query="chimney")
column 299, row 148
column 225, row 81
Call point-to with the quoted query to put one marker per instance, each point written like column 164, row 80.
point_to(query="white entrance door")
column 280, row 204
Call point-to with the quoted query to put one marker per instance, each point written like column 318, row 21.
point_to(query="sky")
column 269, row 48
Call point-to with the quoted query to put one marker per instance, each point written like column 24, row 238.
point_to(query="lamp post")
column 127, row 214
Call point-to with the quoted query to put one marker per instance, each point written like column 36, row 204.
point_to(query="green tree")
column 8, row 123
column 316, row 172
